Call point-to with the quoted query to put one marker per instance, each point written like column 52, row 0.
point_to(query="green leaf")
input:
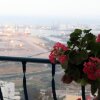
column 74, row 39
column 69, row 43
column 76, row 32
column 65, row 65
column 90, row 37
column 73, row 71
column 75, row 35
column 87, row 31
column 78, row 57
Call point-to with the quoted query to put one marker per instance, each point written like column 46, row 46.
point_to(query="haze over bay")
column 54, row 20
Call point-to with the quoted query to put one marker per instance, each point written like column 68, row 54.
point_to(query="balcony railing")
column 24, row 61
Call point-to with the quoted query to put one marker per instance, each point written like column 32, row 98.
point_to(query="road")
column 20, row 45
column 20, row 75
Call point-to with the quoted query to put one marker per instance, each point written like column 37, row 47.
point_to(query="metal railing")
column 24, row 61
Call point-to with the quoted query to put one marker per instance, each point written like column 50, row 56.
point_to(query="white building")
column 8, row 91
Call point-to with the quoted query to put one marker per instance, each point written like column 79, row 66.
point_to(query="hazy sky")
column 64, row 8
column 88, row 10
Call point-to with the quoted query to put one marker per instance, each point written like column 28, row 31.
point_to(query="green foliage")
column 76, row 33
column 73, row 72
column 95, row 48
column 74, row 37
column 87, row 31
column 81, row 39
column 82, row 44
column 77, row 57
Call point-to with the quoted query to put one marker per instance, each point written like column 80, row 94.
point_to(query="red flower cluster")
column 98, row 38
column 92, row 68
column 62, row 59
column 59, row 45
column 57, row 53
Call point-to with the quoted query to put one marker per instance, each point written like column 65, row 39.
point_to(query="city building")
column 8, row 91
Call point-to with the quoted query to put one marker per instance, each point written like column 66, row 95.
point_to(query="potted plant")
column 80, row 59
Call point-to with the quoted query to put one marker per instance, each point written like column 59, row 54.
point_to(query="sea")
column 56, row 35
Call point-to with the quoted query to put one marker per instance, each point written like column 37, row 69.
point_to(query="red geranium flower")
column 91, row 68
column 62, row 59
column 98, row 38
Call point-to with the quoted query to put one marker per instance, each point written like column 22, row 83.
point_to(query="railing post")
column 1, row 96
column 83, row 92
column 53, row 82
column 24, row 80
